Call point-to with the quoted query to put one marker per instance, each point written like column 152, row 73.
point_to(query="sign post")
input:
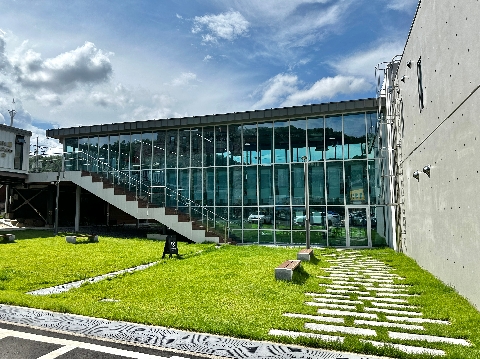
column 170, row 246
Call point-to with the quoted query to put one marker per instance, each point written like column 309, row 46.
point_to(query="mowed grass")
column 227, row 290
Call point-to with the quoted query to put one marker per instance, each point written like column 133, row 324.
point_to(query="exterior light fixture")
column 426, row 170
column 409, row 64
column 403, row 78
column 416, row 175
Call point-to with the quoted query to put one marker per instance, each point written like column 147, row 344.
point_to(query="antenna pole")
column 12, row 113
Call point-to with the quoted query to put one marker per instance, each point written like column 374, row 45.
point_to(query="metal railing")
column 141, row 185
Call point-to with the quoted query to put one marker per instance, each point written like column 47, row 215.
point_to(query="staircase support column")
column 78, row 193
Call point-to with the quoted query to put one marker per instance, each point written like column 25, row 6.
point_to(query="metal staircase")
column 137, row 198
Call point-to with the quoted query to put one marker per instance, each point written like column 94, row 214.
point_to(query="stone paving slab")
column 315, row 317
column 416, row 320
column 287, row 333
column 406, row 348
column 392, row 311
column 160, row 337
column 340, row 291
column 392, row 305
column 388, row 324
column 331, row 305
column 340, row 329
column 328, row 295
column 344, row 313
column 428, row 338
column 66, row 287
column 335, row 300
column 383, row 299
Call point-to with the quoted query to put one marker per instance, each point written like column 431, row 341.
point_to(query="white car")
column 260, row 218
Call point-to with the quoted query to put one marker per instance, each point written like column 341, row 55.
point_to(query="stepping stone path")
column 380, row 303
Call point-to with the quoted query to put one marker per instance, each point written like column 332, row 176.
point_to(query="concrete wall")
column 442, row 213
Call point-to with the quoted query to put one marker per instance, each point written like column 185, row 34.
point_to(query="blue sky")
column 70, row 63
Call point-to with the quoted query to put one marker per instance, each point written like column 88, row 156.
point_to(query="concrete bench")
column 8, row 237
column 73, row 239
column 305, row 255
column 285, row 270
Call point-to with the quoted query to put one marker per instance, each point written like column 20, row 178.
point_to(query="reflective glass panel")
column 282, row 141
column 357, row 228
column 71, row 146
column 102, row 155
column 171, row 188
column 315, row 139
column 376, row 181
column 265, row 142
column 113, row 152
column 298, row 184
column 333, row 137
column 354, row 136
column 208, row 186
column 265, row 184
column 208, row 146
column 283, row 225
column 282, row 185
column 184, row 190
column 147, row 149
column 356, row 182
column 124, row 152
column 172, row 148
column 298, row 139
column 135, row 151
column 372, row 131
column 318, row 218
column 235, row 224
column 197, row 193
column 196, row 148
column 85, row 161
column 221, row 186
column 316, row 180
column 158, row 160
column 183, row 148
column 235, row 144
column 221, row 149
column 250, row 186
column 337, row 233
column 335, row 185
column 235, row 185
column 250, row 155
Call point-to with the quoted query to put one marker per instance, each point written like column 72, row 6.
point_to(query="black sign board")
column 170, row 246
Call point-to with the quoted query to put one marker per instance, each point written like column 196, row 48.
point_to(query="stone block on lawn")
column 305, row 255
column 71, row 239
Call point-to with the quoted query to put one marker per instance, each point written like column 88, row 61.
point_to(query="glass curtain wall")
column 248, row 180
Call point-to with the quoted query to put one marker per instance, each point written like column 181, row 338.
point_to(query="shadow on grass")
column 300, row 276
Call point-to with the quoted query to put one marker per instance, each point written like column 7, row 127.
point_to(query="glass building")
column 245, row 173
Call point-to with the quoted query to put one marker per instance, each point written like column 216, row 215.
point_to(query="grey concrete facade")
column 438, row 215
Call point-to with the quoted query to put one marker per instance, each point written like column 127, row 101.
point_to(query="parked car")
column 318, row 218
column 260, row 218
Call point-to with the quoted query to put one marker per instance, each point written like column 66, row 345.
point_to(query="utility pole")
column 12, row 113
column 307, row 201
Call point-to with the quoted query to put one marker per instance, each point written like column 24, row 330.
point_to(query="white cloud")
column 363, row 63
column 226, row 26
column 402, row 5
column 207, row 58
column 327, row 88
column 184, row 79
column 85, row 65
column 285, row 90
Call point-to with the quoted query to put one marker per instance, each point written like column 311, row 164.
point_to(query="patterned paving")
column 200, row 344
column 379, row 301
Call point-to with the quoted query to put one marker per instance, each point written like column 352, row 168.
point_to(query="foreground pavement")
column 39, row 334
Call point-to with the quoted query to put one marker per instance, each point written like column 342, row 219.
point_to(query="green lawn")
column 227, row 290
